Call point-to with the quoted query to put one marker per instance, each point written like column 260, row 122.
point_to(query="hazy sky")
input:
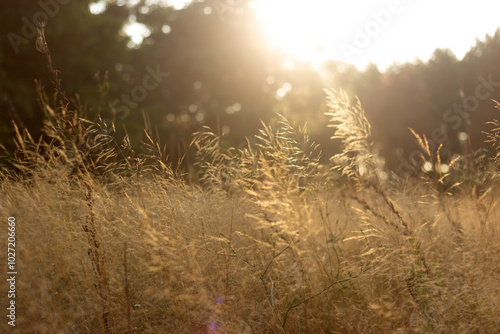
column 384, row 31
column 380, row 31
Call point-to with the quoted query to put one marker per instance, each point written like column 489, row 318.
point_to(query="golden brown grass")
column 269, row 241
column 199, row 259
column 252, row 250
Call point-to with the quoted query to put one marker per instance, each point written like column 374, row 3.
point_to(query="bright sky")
column 363, row 31
column 380, row 31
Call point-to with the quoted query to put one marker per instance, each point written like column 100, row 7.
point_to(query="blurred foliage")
column 81, row 44
column 222, row 74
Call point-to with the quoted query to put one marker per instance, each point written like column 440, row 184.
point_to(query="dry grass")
column 254, row 249
column 196, row 258
column 270, row 241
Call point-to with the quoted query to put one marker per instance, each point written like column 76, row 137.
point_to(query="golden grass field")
column 265, row 240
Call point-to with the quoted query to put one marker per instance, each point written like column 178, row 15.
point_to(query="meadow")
column 259, row 239
column 263, row 238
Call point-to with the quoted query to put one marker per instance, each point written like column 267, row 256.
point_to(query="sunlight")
column 353, row 32
column 137, row 32
column 378, row 31
column 384, row 32
column 303, row 30
column 98, row 7
column 177, row 4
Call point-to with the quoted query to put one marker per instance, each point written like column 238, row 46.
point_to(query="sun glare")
column 379, row 31
column 360, row 32
column 307, row 30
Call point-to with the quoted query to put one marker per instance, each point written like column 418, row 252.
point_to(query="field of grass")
column 263, row 240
